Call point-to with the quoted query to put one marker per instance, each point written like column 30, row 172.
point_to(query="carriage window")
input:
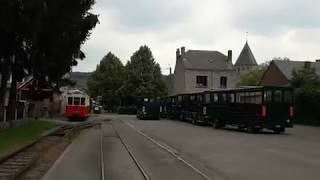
column 222, row 98
column 179, row 98
column 288, row 97
column 278, row 96
column 207, row 98
column 231, row 98
column 70, row 101
column 76, row 101
column 83, row 101
column 252, row 98
column 258, row 97
column 145, row 99
column 199, row 98
column 151, row 100
column 173, row 100
column 267, row 96
column 215, row 98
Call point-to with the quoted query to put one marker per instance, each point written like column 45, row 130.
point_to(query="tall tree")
column 143, row 77
column 43, row 38
column 106, row 80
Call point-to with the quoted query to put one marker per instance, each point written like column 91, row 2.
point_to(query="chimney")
column 230, row 56
column 183, row 50
column 178, row 53
column 170, row 71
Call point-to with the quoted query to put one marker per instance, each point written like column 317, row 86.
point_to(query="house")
column 198, row 70
column 279, row 73
column 246, row 60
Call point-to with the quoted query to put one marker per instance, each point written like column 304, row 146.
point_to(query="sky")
column 276, row 28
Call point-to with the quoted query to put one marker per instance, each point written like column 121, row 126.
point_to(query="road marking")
column 101, row 154
column 123, row 141
column 172, row 152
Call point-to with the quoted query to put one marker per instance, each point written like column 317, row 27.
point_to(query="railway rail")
column 19, row 162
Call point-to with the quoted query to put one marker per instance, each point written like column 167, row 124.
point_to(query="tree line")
column 41, row 38
column 122, row 85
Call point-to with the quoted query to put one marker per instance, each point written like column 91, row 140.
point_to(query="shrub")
column 129, row 110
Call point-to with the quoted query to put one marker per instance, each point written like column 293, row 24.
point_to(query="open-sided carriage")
column 148, row 108
column 251, row 108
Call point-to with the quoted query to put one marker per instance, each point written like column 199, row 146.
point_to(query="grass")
column 14, row 136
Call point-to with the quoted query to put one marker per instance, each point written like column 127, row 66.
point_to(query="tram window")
column 192, row 98
column 151, row 100
column 277, row 96
column 207, row 98
column 199, row 98
column 173, row 100
column 145, row 99
column 287, row 97
column 70, row 101
column 83, row 101
column 76, row 101
column 179, row 98
column 267, row 96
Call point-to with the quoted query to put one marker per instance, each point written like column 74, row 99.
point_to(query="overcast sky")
column 277, row 28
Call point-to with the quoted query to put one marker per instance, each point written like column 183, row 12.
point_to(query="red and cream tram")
column 77, row 104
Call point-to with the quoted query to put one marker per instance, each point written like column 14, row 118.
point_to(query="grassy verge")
column 14, row 136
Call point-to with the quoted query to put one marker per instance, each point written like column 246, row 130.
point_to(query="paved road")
column 221, row 154
column 80, row 161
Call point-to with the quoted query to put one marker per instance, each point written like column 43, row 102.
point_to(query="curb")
column 27, row 144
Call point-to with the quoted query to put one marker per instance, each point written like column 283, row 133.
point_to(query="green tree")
column 307, row 95
column 143, row 77
column 106, row 80
column 43, row 38
column 253, row 77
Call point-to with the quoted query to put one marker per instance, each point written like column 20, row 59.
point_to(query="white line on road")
column 101, row 154
column 173, row 153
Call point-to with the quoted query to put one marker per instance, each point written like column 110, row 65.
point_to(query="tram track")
column 17, row 163
column 170, row 151
column 123, row 141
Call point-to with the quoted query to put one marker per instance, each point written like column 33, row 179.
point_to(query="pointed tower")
column 246, row 60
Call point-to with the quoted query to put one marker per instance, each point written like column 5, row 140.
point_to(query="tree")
column 143, row 77
column 253, row 77
column 42, row 38
column 106, row 80
column 307, row 95
column 281, row 59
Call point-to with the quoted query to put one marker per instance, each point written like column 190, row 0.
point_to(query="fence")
column 9, row 113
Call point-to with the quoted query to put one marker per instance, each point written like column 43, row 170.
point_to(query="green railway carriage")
column 252, row 108
column 193, row 108
column 148, row 108
column 170, row 107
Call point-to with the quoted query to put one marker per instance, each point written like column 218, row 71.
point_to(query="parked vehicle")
column 148, row 108
column 77, row 105
column 251, row 108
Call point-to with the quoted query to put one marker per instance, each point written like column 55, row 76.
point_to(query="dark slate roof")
column 287, row 67
column 246, row 57
column 205, row 60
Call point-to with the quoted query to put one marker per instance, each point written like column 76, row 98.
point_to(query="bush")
column 129, row 110
column 307, row 105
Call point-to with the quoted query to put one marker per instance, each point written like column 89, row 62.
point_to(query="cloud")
column 287, row 28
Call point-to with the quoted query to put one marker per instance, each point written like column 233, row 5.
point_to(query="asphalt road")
column 195, row 152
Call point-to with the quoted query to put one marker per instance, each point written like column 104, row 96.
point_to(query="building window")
column 202, row 81
column 223, row 82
